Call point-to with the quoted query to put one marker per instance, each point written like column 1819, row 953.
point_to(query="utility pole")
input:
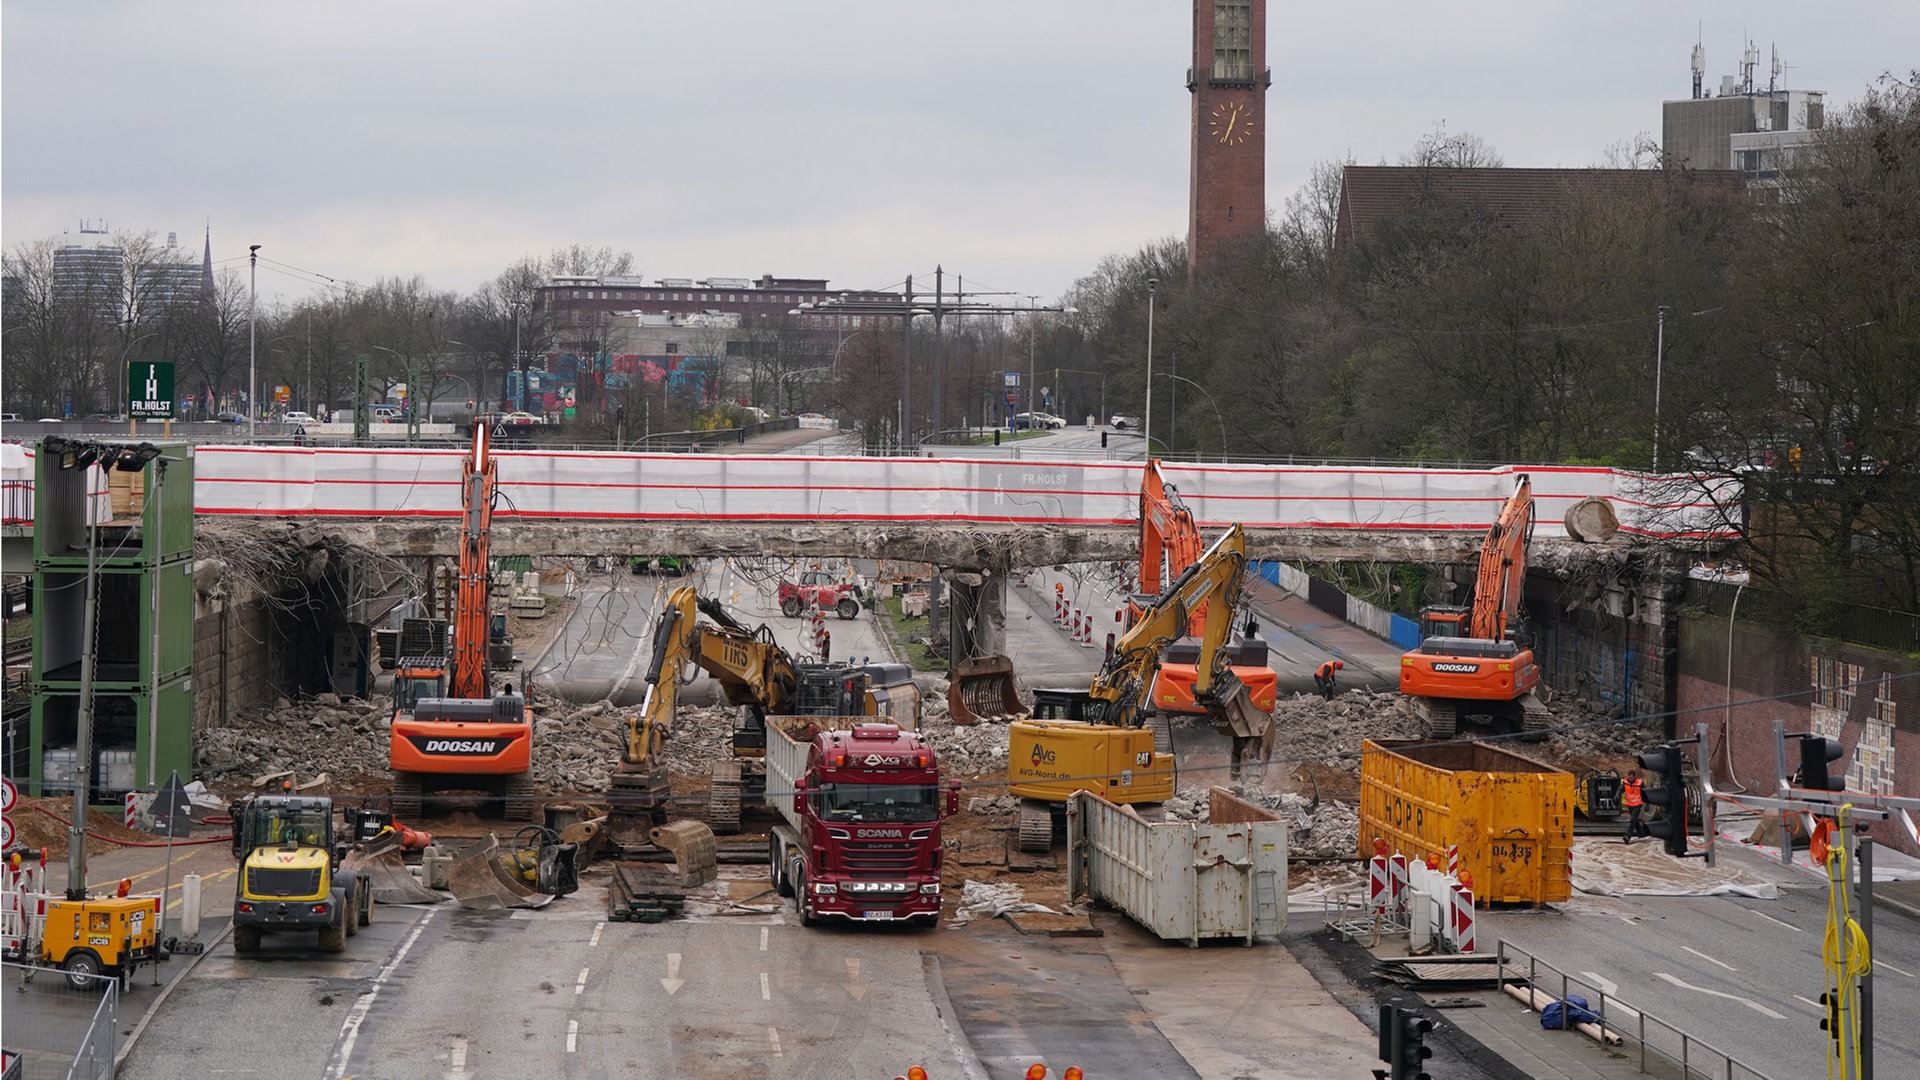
column 906, row 378
column 1146, row 418
column 1659, row 358
column 253, row 304
column 939, row 347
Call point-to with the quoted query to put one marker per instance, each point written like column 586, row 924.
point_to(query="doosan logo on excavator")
column 461, row 746
column 1455, row 669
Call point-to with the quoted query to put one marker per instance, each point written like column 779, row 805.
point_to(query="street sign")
column 9, row 795
column 150, row 390
column 172, row 810
column 6, row 833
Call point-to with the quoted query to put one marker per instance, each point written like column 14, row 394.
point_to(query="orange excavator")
column 451, row 730
column 1469, row 665
column 1169, row 544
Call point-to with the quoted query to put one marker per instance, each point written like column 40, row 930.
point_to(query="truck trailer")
column 861, row 804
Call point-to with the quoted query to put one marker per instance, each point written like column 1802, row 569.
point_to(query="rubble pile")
column 1315, row 827
column 1307, row 727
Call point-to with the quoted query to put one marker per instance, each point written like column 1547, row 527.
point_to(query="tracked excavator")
column 756, row 674
column 1169, row 543
column 1471, row 665
column 1095, row 739
column 451, row 730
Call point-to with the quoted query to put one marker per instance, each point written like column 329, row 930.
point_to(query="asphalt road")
column 1745, row 975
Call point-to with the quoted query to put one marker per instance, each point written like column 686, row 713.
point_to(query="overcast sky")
column 1016, row 143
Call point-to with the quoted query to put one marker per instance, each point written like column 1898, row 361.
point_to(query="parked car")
column 298, row 417
column 10, row 418
column 1036, row 421
column 231, row 417
column 519, row 418
column 1124, row 422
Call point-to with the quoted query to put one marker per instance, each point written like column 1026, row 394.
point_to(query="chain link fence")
column 61, row 1023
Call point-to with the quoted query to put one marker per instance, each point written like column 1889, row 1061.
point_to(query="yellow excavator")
column 756, row 674
column 1095, row 740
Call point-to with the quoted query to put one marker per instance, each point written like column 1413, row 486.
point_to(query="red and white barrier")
column 1460, row 933
column 132, row 812
column 1453, row 860
column 1397, row 870
column 1379, row 885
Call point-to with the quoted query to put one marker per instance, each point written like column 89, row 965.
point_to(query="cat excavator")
column 1094, row 739
column 756, row 674
column 1470, row 663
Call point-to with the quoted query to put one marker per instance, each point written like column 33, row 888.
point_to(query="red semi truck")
column 862, row 803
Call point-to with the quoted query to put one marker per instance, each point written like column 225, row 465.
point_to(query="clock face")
column 1231, row 125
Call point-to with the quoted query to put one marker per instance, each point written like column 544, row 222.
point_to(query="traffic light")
column 1815, row 753
column 1831, row 1022
column 1403, row 1044
column 1672, row 827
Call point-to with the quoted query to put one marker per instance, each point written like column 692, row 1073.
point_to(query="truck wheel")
column 848, row 607
column 800, row 900
column 790, row 607
column 333, row 938
column 777, row 868
column 246, row 939
column 83, row 970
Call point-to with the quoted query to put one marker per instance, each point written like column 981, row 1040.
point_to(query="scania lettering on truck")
column 862, row 804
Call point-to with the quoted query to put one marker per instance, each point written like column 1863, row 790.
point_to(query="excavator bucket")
column 380, row 859
column 981, row 690
column 491, row 878
column 694, row 850
column 1234, row 715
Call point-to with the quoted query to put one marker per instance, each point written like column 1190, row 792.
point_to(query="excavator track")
column 406, row 798
column 519, row 800
column 1036, row 826
column 723, row 799
column 1443, row 718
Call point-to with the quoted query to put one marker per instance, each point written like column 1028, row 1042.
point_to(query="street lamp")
column 1033, row 332
column 1146, row 419
column 478, row 370
column 1217, row 415
column 253, row 304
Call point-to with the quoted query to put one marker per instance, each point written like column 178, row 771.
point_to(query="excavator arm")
column 752, row 669
column 1503, row 566
column 469, row 675
column 1168, row 535
column 1129, row 671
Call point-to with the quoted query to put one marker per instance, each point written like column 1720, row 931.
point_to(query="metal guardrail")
column 1668, row 1044
column 60, row 1024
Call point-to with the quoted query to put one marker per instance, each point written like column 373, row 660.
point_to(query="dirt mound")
column 41, row 823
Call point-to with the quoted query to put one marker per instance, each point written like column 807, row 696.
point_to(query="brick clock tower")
column 1228, row 80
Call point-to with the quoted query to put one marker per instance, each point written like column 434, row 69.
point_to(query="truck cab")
column 864, row 837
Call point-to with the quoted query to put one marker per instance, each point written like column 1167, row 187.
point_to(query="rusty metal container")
column 1511, row 816
column 1185, row 881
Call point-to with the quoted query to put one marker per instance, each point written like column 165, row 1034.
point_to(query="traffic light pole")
column 1863, row 858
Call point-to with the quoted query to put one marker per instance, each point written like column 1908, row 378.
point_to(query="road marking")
column 457, row 1059
column 773, row 1036
column 1890, row 967
column 766, row 988
column 1608, row 988
column 1817, row 1007
column 1708, row 959
column 763, row 939
column 174, row 904
column 573, row 1035
column 673, row 982
column 1748, row 1002
column 854, row 985
column 1628, row 919
column 356, row 1016
column 581, row 986
column 1775, row 921
column 594, row 941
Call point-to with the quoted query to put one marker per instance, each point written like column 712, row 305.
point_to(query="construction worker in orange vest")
column 1631, row 798
column 1323, row 677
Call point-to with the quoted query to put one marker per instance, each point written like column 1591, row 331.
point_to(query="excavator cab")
column 1444, row 620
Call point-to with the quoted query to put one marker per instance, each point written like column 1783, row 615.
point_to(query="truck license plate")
column 878, row 916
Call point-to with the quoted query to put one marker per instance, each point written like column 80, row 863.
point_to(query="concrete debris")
column 989, row 900
column 1316, row 751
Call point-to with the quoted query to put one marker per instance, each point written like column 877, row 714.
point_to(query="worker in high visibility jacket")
column 1633, row 800
column 1323, row 677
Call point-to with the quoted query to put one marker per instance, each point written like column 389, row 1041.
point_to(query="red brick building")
column 1227, row 197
